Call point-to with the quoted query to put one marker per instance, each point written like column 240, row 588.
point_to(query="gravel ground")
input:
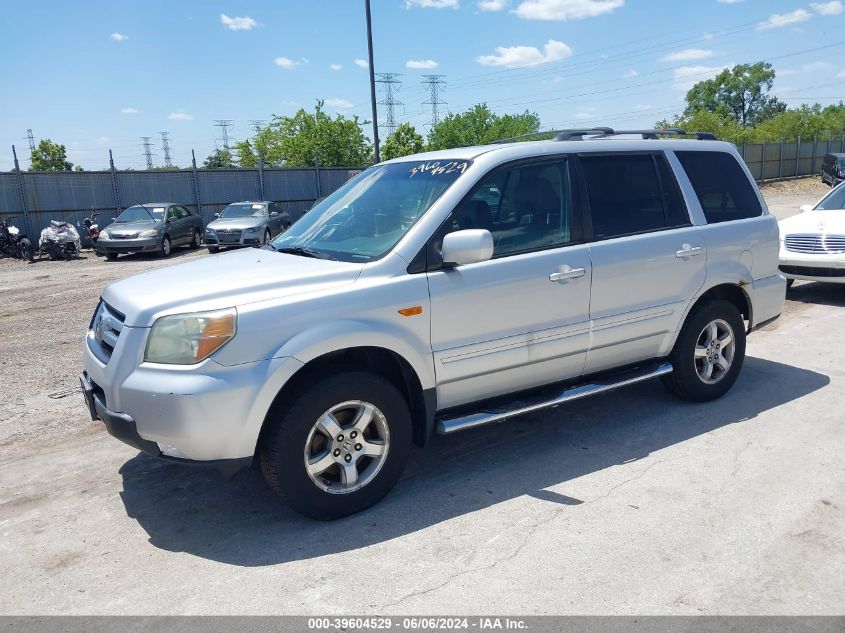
column 811, row 188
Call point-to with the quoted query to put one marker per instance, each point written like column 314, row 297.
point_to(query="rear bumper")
column 768, row 296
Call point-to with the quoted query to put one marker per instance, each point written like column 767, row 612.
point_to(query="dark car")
column 833, row 169
column 153, row 227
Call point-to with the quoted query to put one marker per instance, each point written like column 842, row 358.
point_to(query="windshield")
column 834, row 200
column 243, row 211
column 140, row 214
column 366, row 217
column 841, row 161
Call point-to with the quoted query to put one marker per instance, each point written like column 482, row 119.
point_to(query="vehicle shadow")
column 241, row 522
column 176, row 253
column 830, row 294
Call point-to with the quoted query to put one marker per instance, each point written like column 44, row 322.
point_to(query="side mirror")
column 274, row 214
column 217, row 215
column 805, row 207
column 467, row 247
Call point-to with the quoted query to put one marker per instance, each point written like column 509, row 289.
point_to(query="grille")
column 123, row 236
column 810, row 271
column 229, row 236
column 106, row 327
column 820, row 243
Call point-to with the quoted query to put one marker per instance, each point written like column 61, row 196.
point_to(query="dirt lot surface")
column 628, row 503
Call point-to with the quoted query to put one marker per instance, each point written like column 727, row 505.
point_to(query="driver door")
column 520, row 319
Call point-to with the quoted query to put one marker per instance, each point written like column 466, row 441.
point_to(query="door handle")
column 563, row 275
column 689, row 251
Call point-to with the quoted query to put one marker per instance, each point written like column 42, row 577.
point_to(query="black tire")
column 166, row 248
column 111, row 256
column 267, row 237
column 283, row 442
column 789, row 283
column 213, row 249
column 25, row 250
column 196, row 238
column 684, row 381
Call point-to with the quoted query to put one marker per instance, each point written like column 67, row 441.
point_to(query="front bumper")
column 826, row 267
column 227, row 241
column 136, row 245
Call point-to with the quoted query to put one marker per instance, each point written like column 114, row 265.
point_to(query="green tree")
column 219, row 159
column 307, row 139
column 741, row 92
column 405, row 140
column 479, row 126
column 723, row 126
column 49, row 156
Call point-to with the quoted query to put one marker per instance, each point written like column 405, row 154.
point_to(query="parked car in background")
column 246, row 224
column 833, row 169
column 812, row 243
column 153, row 227
column 438, row 293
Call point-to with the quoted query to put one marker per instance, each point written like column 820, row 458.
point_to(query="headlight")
column 186, row 339
column 104, row 234
column 210, row 231
column 149, row 233
column 252, row 229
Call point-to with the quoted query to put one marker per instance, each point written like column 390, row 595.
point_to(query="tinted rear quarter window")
column 722, row 188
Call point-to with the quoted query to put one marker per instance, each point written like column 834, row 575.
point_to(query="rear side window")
column 631, row 193
column 721, row 186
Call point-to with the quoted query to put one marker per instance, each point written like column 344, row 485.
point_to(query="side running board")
column 502, row 411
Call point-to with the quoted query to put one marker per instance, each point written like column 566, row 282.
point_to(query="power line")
column 433, row 83
column 224, row 125
column 391, row 85
column 165, row 148
column 148, row 150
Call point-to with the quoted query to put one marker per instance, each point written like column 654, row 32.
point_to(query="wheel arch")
column 732, row 292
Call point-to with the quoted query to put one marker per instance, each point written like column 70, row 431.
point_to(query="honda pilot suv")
column 436, row 293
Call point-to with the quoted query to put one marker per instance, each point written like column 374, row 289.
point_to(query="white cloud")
column 687, row 76
column 565, row 9
column 728, row 1
column 841, row 74
column 585, row 113
column 129, row 110
column 814, row 67
column 828, row 8
column 779, row 20
column 361, row 63
column 335, row 66
column 630, row 73
column 707, row 36
column 243, row 23
column 289, row 64
column 523, row 56
column 180, row 116
column 421, row 63
column 432, row 4
column 492, row 5
column 340, row 104
column 687, row 55
column 104, row 139
column 119, row 37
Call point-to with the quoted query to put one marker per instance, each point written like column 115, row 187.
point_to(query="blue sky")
column 96, row 75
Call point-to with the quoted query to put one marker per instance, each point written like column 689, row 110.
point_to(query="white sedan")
column 812, row 243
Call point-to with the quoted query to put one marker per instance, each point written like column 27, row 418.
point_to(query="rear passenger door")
column 520, row 319
column 648, row 259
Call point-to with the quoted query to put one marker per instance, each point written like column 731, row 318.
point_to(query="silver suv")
column 436, row 293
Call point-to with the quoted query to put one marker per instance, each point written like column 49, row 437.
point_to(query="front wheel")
column 708, row 354
column 25, row 250
column 195, row 240
column 339, row 446
column 111, row 257
column 164, row 251
column 266, row 237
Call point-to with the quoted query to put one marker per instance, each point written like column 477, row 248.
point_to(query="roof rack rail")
column 603, row 132
column 522, row 137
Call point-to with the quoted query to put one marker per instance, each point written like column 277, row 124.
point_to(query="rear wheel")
column 213, row 249
column 709, row 352
column 164, row 251
column 25, row 250
column 339, row 446
column 111, row 256
column 195, row 240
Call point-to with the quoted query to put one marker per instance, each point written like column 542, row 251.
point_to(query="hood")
column 235, row 223
column 130, row 227
column 814, row 222
column 222, row 281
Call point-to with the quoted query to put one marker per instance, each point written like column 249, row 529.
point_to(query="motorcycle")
column 60, row 240
column 92, row 229
column 13, row 243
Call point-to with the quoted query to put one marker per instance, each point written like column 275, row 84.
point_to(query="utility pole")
column 224, row 125
column 391, row 85
column 31, row 138
column 433, row 83
column 165, row 148
column 148, row 153
column 257, row 125
column 372, row 79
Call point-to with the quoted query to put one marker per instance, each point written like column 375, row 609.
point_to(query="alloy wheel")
column 714, row 351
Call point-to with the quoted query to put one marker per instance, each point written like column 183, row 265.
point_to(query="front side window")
column 721, row 186
column 363, row 220
column 834, row 200
column 525, row 208
column 630, row 194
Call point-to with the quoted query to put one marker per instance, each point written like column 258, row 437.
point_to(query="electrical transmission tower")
column 390, row 86
column 148, row 150
column 224, row 125
column 31, row 138
column 434, row 84
column 257, row 124
column 165, row 148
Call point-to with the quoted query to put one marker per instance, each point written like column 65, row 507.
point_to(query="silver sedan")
column 246, row 224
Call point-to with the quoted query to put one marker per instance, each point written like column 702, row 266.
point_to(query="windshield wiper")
column 303, row 252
